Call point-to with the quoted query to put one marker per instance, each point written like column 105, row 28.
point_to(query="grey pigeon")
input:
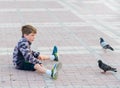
column 105, row 45
column 105, row 67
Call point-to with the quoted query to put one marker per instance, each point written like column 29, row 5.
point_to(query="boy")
column 26, row 59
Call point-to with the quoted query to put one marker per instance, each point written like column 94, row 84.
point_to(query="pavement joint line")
column 32, row 9
column 43, row 9
column 8, row 10
column 63, row 50
column 26, row 0
column 4, row 25
column 6, row 0
column 50, row 24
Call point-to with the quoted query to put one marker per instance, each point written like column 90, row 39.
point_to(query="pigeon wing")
column 105, row 67
column 104, row 44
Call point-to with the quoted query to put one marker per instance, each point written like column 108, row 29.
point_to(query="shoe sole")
column 58, row 67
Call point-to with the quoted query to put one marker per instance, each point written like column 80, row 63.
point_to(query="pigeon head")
column 99, row 61
column 101, row 40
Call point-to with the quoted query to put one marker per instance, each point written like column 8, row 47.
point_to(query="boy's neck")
column 27, row 40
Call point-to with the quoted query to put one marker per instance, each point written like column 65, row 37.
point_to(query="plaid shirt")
column 23, row 53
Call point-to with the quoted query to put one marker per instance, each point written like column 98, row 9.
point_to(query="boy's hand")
column 43, row 57
column 39, row 57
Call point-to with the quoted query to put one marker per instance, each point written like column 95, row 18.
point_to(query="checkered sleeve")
column 27, row 53
column 35, row 54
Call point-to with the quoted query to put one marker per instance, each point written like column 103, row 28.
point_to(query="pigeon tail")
column 109, row 47
column 114, row 69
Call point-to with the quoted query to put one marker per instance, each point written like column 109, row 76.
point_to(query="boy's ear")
column 24, row 35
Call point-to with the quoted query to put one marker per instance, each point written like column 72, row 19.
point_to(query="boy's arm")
column 28, row 54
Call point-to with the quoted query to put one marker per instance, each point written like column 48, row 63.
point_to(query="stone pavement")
column 75, row 26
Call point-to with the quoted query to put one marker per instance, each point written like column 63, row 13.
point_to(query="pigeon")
column 105, row 67
column 105, row 45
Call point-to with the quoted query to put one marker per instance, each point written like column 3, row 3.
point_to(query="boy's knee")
column 36, row 66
